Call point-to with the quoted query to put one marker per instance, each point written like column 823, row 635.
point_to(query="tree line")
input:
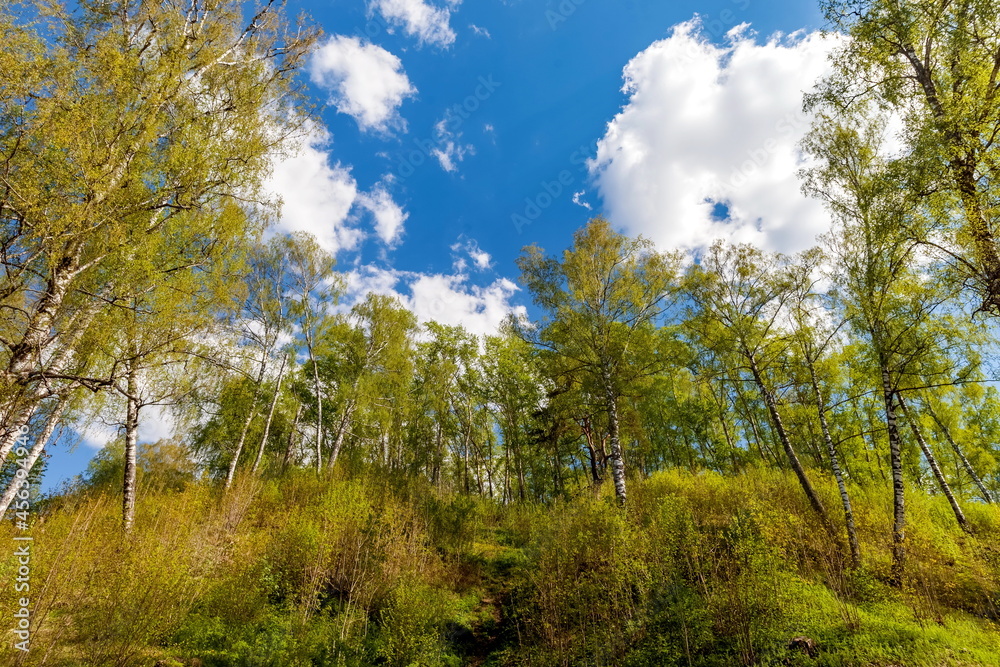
column 135, row 137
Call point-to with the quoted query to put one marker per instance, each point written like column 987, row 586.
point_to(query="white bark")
column 131, row 444
column 34, row 454
column 270, row 415
column 935, row 468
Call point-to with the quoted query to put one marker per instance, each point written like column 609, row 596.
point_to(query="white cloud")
column 370, row 280
column 448, row 299
column 470, row 249
column 96, row 434
column 479, row 31
column 710, row 130
column 578, row 200
column 364, row 80
column 450, row 151
column 481, row 259
column 316, row 196
column 156, row 423
column 452, row 300
column 430, row 24
column 389, row 216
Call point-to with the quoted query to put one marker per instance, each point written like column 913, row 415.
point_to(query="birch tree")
column 891, row 303
column 813, row 335
column 740, row 296
column 132, row 133
column 312, row 286
column 936, row 65
column 603, row 303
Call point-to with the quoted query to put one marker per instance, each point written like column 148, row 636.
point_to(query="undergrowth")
column 698, row 569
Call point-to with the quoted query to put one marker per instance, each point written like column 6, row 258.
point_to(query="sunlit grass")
column 699, row 569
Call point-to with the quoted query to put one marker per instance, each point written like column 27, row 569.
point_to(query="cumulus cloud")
column 389, row 216
column 706, row 147
column 317, row 194
column 430, row 24
column 470, row 250
column 155, row 423
column 481, row 259
column 448, row 299
column 364, row 81
column 452, row 300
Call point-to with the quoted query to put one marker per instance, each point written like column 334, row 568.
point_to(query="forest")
column 727, row 457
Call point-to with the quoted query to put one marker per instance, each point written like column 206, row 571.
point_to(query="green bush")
column 698, row 570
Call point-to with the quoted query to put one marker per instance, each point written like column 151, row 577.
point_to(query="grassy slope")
column 698, row 570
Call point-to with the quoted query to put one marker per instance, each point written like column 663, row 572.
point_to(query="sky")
column 453, row 133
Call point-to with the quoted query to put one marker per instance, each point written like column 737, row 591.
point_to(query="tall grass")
column 699, row 569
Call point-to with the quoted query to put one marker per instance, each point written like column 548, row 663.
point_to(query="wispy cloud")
column 480, row 31
column 450, row 150
column 389, row 216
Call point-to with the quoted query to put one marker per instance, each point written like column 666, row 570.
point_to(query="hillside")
column 698, row 569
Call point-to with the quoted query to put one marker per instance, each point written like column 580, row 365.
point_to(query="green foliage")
column 699, row 569
column 415, row 621
column 128, row 185
column 165, row 464
column 456, row 511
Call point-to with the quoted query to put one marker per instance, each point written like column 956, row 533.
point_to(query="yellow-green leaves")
column 133, row 143
column 934, row 66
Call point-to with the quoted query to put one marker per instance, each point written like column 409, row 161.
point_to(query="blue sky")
column 452, row 133
column 559, row 69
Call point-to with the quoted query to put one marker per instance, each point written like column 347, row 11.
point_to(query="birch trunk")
column 467, row 444
column 270, row 415
column 961, row 456
column 616, row 458
column 27, row 354
column 131, row 442
column 438, row 456
column 935, row 468
column 342, row 429
column 19, row 415
column 291, row 439
column 779, row 427
column 762, row 448
column 723, row 413
column 319, row 405
column 845, row 498
column 231, row 472
column 34, row 453
column 898, row 485
column 13, row 432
